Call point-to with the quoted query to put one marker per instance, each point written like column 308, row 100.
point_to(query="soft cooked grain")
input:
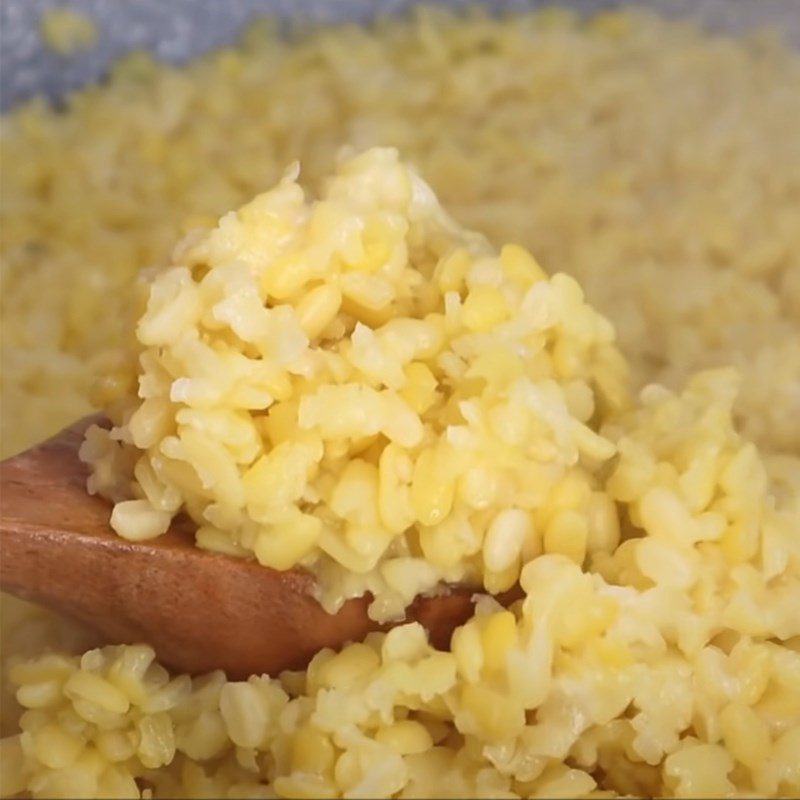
column 657, row 650
column 356, row 385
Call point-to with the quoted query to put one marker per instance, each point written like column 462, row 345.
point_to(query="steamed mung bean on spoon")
column 354, row 386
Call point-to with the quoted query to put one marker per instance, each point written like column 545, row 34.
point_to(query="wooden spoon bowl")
column 198, row 610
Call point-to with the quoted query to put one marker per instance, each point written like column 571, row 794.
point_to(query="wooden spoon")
column 198, row 610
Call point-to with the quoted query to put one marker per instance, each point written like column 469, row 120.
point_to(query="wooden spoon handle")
column 198, row 610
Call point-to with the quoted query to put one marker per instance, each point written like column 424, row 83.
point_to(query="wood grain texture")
column 199, row 610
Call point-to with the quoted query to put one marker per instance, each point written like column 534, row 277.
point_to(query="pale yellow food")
column 356, row 385
column 665, row 661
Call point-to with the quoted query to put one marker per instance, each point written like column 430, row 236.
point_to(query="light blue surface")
column 180, row 29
